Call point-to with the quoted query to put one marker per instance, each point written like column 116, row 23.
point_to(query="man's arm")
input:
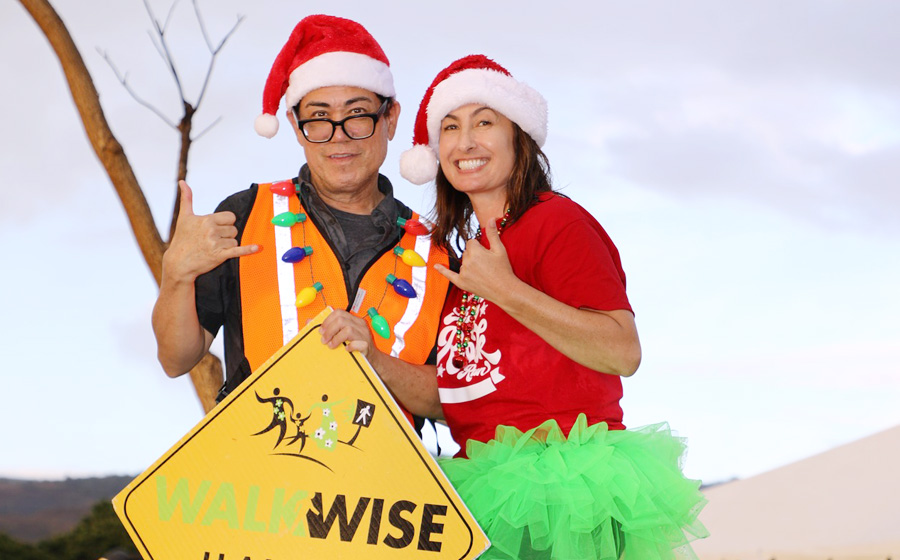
column 200, row 244
column 415, row 386
column 181, row 341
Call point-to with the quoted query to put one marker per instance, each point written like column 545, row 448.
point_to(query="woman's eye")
column 450, row 127
column 484, row 123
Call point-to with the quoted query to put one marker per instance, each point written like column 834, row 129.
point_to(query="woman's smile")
column 470, row 164
column 476, row 150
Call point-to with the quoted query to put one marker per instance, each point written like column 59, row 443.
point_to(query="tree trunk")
column 207, row 375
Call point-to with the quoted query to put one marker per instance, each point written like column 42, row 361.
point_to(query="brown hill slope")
column 33, row 510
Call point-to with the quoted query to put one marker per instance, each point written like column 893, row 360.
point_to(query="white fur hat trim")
column 339, row 69
column 516, row 100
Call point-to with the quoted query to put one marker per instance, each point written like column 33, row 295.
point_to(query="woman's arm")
column 605, row 341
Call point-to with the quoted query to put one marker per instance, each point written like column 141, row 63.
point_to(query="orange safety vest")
column 269, row 286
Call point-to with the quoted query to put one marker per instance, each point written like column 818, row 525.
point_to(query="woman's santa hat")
column 472, row 79
column 323, row 51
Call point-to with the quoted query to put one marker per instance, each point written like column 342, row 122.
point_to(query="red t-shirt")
column 513, row 377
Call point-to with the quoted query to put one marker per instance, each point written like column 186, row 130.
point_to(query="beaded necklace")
column 468, row 306
column 295, row 255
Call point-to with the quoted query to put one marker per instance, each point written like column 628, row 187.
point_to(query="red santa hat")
column 323, row 51
column 472, row 79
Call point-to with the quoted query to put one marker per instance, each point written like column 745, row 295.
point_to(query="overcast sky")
column 743, row 156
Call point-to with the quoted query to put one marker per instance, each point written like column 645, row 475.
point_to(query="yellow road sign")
column 310, row 457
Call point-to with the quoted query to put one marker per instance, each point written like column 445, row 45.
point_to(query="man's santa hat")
column 323, row 51
column 472, row 79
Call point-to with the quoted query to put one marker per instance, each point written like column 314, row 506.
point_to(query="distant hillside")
column 33, row 510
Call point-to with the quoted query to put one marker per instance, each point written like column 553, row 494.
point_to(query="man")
column 273, row 256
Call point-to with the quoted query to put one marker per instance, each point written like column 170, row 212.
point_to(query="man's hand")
column 414, row 386
column 341, row 327
column 201, row 243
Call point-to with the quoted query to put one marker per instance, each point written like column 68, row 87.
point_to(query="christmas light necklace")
column 295, row 255
column 468, row 306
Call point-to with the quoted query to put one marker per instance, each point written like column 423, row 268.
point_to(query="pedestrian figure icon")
column 365, row 411
column 363, row 417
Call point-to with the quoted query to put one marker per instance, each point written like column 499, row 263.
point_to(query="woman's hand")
column 484, row 272
column 605, row 341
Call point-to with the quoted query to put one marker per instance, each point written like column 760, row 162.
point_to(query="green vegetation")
column 95, row 535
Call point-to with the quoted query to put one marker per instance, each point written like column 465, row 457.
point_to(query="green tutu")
column 604, row 494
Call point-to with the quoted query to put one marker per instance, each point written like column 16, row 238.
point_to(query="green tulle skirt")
column 600, row 493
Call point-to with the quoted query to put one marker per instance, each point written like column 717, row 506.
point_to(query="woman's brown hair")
column 453, row 211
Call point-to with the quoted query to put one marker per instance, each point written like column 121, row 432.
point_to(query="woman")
column 536, row 335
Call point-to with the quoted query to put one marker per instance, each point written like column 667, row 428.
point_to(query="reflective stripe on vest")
column 270, row 316
column 286, row 294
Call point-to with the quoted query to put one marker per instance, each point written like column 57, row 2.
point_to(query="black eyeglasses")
column 356, row 127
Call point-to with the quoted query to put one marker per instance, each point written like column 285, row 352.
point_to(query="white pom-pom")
column 419, row 164
column 266, row 125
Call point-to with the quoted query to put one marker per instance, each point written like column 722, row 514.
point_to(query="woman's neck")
column 488, row 208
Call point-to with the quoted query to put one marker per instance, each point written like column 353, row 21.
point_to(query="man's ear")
column 292, row 118
column 393, row 119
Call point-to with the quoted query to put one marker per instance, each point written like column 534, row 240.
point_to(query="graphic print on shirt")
column 481, row 372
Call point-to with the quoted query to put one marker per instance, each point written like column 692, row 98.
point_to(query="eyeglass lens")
column 356, row 127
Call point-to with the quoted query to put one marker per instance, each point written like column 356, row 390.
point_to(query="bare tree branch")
column 213, row 51
column 185, row 125
column 156, row 45
column 206, row 376
column 202, row 26
column 169, row 15
column 205, row 130
column 206, row 78
column 167, row 55
column 124, row 81
column 228, row 35
column 105, row 145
